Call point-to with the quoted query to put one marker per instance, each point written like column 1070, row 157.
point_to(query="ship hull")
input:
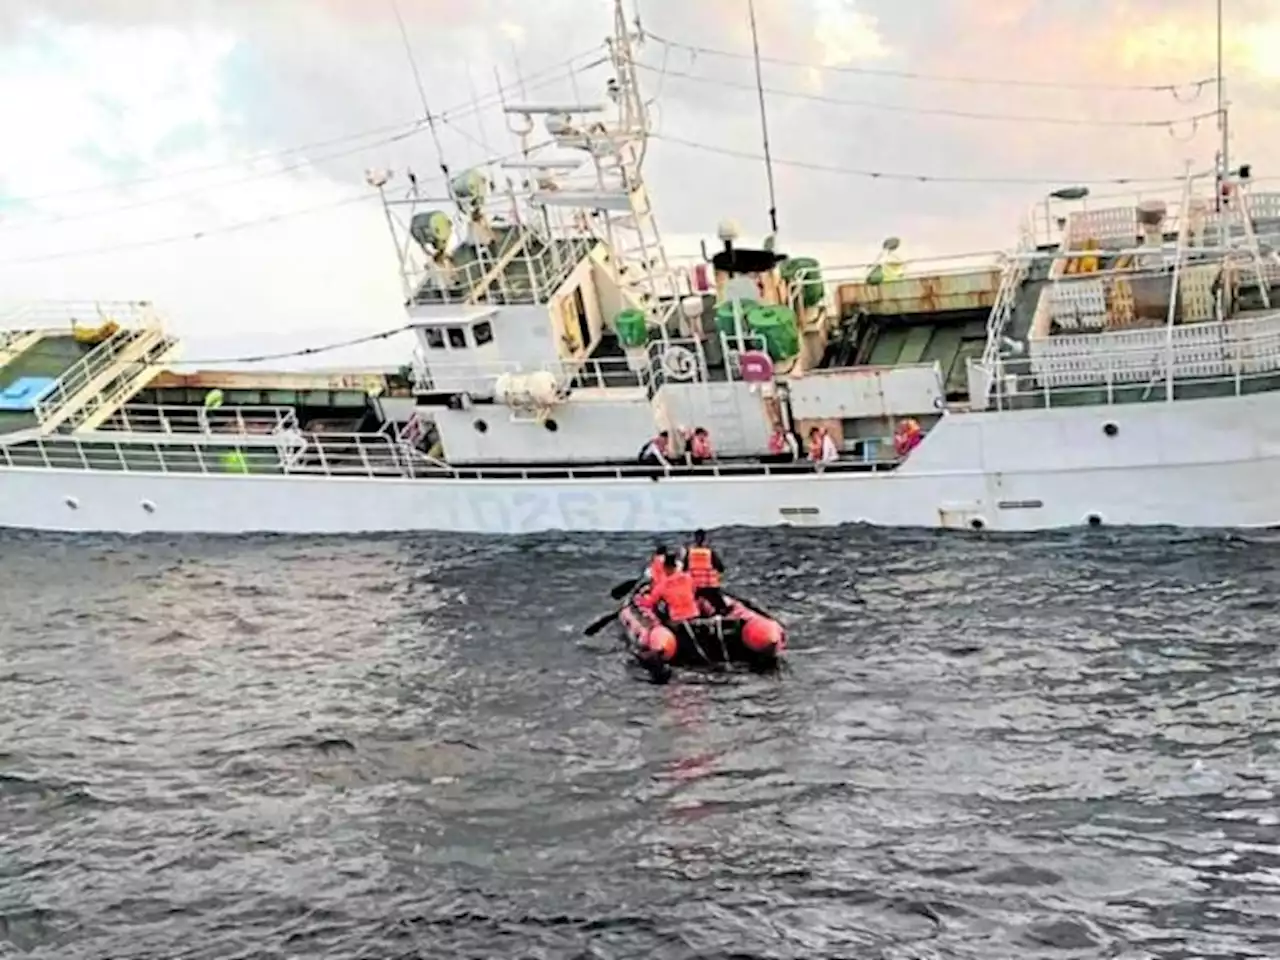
column 1211, row 463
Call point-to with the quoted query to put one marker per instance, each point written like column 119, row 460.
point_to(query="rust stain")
column 926, row 294
column 241, row 380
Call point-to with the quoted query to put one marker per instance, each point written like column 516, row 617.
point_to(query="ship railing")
column 665, row 360
column 1110, row 219
column 357, row 455
column 462, row 376
column 526, row 269
column 1216, row 358
column 66, row 315
column 93, row 364
column 173, row 419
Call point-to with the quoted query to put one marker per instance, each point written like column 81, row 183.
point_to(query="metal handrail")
column 358, row 455
column 171, row 419
column 81, row 373
column 585, row 372
column 1229, row 354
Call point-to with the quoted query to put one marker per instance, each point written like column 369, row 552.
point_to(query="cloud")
column 94, row 91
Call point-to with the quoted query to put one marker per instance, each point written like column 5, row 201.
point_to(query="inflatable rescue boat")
column 742, row 635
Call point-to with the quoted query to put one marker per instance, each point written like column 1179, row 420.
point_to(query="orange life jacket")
column 677, row 592
column 657, row 571
column 815, row 448
column 703, row 571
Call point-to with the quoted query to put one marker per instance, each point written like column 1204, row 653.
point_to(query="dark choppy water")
column 1061, row 747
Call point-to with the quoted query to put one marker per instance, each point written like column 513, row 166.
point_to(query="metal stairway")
column 14, row 343
column 96, row 387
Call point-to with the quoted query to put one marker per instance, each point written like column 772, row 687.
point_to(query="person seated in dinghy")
column 675, row 598
column 652, row 576
column 705, row 566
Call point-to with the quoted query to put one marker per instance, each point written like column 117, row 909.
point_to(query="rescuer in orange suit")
column 678, row 593
column 706, row 568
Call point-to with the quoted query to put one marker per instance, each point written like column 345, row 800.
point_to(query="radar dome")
column 471, row 185
column 432, row 229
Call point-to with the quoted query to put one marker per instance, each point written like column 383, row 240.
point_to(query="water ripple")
column 985, row 747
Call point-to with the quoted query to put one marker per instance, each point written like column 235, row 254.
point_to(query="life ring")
column 679, row 363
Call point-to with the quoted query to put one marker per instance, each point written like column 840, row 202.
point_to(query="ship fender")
column 651, row 639
column 762, row 636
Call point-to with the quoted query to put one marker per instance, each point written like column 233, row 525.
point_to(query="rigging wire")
column 913, row 177
column 1167, row 124
column 362, row 197
column 288, row 354
column 1196, row 86
column 457, row 112
column 209, row 188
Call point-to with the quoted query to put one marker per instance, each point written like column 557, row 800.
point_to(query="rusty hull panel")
column 372, row 383
column 922, row 295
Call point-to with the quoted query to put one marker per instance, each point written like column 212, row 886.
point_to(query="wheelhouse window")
column 435, row 338
column 482, row 330
column 457, row 338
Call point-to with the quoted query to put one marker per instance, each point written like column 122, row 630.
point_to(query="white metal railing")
column 1231, row 354
column 129, row 379
column 94, row 363
column 674, row 359
column 528, row 267
column 1111, row 219
column 234, row 421
column 65, row 315
column 350, row 455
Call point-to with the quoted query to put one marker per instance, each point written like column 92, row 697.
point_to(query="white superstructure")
column 1126, row 371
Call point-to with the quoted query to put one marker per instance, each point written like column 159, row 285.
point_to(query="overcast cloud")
column 95, row 92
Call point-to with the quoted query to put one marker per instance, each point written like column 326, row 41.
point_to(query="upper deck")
column 517, row 266
column 70, row 366
column 1182, row 292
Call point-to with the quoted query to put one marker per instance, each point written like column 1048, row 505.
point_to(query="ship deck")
column 46, row 356
column 517, row 267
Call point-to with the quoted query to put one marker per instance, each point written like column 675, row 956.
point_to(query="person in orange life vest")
column 678, row 593
column 822, row 449
column 783, row 446
column 657, row 451
column 907, row 437
column 706, row 568
column 653, row 576
column 700, row 450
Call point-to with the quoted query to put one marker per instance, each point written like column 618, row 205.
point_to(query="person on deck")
column 907, row 436
column 700, row 449
column 678, row 593
column 706, row 568
column 657, row 451
column 822, row 449
column 783, row 446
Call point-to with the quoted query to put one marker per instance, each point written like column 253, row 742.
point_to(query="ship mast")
column 1224, row 159
column 764, row 120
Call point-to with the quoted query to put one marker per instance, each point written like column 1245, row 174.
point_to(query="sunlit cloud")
column 845, row 35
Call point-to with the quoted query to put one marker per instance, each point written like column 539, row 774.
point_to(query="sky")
column 209, row 155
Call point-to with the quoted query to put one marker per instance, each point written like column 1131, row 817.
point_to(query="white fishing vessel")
column 1120, row 365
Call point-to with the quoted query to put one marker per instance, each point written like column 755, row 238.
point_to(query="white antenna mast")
column 422, row 99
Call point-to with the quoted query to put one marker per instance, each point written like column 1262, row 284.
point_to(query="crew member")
column 678, row 593
column 657, row 451
column 654, row 575
column 700, row 449
column 706, row 568
column 783, row 446
column 822, row 449
column 907, row 436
